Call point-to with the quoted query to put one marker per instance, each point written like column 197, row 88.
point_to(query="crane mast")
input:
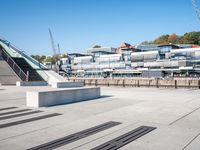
column 55, row 54
column 52, row 43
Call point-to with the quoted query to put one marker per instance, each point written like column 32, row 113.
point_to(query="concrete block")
column 61, row 96
column 31, row 83
column 67, row 84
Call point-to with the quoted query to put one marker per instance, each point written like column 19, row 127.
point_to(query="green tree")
column 163, row 39
column 146, row 42
column 36, row 57
column 50, row 59
column 63, row 56
column 97, row 46
column 42, row 58
column 192, row 38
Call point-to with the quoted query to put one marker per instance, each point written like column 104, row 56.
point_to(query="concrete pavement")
column 175, row 113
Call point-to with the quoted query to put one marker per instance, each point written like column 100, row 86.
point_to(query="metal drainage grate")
column 125, row 138
column 19, row 115
column 12, row 112
column 7, row 108
column 74, row 137
column 28, row 120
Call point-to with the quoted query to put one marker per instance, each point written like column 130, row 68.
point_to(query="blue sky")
column 80, row 24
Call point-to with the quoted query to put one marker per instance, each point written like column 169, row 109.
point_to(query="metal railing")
column 36, row 65
column 23, row 76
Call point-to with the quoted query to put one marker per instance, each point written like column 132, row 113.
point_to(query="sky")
column 80, row 24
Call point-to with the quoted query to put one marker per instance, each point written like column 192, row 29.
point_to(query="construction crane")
column 55, row 54
column 196, row 8
column 58, row 49
column 52, row 43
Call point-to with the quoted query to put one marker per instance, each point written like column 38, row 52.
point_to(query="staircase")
column 33, row 75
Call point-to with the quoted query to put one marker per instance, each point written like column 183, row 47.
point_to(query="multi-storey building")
column 141, row 60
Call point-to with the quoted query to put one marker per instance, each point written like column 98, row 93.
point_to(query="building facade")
column 142, row 60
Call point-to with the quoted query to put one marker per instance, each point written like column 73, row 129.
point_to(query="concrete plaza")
column 174, row 112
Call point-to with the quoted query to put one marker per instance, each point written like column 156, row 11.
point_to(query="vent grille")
column 19, row 115
column 28, row 120
column 74, row 137
column 125, row 138
column 12, row 112
column 7, row 108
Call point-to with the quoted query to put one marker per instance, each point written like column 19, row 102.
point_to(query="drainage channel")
column 125, row 138
column 76, row 136
column 28, row 120
column 7, row 108
column 19, row 115
column 12, row 112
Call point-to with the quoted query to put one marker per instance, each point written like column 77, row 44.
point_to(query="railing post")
column 138, row 83
column 96, row 82
column 157, row 83
column 189, row 83
column 27, row 75
column 123, row 83
column 84, row 82
column 175, row 84
column 199, row 84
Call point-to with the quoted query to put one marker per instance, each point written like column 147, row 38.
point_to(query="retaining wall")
column 141, row 82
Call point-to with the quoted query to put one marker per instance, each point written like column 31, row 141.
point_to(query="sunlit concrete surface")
column 175, row 113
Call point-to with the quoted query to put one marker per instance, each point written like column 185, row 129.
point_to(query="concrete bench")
column 67, row 84
column 54, row 97
column 31, row 83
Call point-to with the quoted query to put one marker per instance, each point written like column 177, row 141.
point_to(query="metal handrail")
column 35, row 62
column 38, row 66
column 27, row 57
column 21, row 73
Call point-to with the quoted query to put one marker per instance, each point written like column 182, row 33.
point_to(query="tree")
column 146, row 42
column 192, row 38
column 187, row 38
column 163, row 39
column 50, row 59
column 97, row 46
column 42, row 58
column 63, row 56
column 36, row 57
column 174, row 39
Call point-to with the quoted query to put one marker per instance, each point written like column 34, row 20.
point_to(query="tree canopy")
column 187, row 38
column 97, row 46
column 39, row 58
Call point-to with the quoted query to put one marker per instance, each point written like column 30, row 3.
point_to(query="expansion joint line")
column 184, row 148
column 184, row 116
